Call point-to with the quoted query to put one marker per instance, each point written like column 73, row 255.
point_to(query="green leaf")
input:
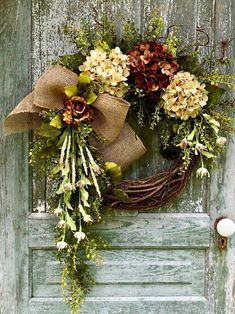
column 45, row 130
column 85, row 180
column 84, row 197
column 215, row 94
column 190, row 63
column 91, row 97
column 175, row 128
column 214, row 122
column 191, row 135
column 56, row 169
column 71, row 91
column 71, row 62
column 61, row 187
column 114, row 171
column 84, row 79
column 67, row 199
column 65, row 169
column 70, row 222
column 102, row 45
column 57, row 122
column 47, row 151
column 208, row 154
column 121, row 195
column 215, row 128
column 62, row 138
column 206, row 116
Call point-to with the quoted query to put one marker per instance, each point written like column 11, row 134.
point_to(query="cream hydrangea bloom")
column 111, row 69
column 184, row 97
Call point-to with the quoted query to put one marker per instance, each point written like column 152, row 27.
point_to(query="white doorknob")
column 225, row 227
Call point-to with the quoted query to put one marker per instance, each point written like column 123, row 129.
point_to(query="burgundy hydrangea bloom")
column 77, row 111
column 151, row 66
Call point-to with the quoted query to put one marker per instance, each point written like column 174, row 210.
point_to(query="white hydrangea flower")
column 79, row 235
column 61, row 245
column 111, row 69
column 184, row 97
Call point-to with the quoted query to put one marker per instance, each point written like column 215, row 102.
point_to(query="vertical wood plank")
column 221, row 273
column 15, row 32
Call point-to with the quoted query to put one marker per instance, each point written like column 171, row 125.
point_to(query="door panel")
column 147, row 230
column 156, row 261
column 162, row 305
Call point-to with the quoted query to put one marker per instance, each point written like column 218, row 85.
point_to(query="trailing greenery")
column 79, row 181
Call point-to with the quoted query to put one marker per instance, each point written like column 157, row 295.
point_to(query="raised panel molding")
column 143, row 230
column 156, row 264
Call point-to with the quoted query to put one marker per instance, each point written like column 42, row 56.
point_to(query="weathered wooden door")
column 162, row 262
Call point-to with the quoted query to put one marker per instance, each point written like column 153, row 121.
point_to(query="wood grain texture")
column 151, row 255
column 150, row 305
column 221, row 264
column 129, row 272
column 143, row 230
column 14, row 184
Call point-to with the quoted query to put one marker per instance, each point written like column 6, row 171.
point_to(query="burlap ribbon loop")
column 123, row 146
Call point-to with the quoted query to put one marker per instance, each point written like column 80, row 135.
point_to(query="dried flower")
column 221, row 141
column 151, row 66
column 68, row 187
column 111, row 69
column 184, row 143
column 184, row 97
column 58, row 211
column 61, row 245
column 87, row 218
column 202, row 172
column 61, row 224
column 80, row 184
column 77, row 111
column 199, row 148
column 79, row 235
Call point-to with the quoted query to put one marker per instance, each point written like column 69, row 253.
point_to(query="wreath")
column 82, row 108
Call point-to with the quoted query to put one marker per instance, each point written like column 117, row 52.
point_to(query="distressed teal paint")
column 15, row 32
column 161, row 262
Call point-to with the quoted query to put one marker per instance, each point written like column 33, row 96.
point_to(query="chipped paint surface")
column 211, row 289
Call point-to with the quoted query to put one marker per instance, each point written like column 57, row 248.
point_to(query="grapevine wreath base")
column 154, row 191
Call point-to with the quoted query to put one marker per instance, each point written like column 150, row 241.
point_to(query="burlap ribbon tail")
column 123, row 145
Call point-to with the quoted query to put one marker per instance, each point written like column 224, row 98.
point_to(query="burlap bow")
column 123, row 147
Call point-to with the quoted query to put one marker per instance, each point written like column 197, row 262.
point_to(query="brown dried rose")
column 76, row 111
